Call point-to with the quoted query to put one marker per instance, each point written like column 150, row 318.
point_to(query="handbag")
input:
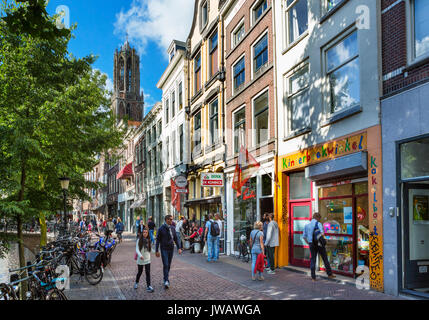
column 317, row 234
column 135, row 256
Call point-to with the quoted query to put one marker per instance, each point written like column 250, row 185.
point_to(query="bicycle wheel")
column 55, row 294
column 7, row 292
column 94, row 276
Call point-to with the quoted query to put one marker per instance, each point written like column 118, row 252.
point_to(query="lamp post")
column 65, row 185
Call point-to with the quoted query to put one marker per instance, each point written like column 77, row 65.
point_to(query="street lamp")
column 65, row 185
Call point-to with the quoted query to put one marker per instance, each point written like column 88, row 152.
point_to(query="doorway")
column 416, row 236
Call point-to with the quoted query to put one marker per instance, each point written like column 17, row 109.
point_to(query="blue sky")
column 151, row 25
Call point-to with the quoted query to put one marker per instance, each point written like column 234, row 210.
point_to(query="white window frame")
column 411, row 43
column 232, row 72
column 203, row 25
column 173, row 107
column 326, row 85
column 252, row 46
column 213, row 140
column 209, row 54
column 253, row 20
column 260, row 93
column 234, row 113
column 235, row 30
column 289, row 95
column 286, row 10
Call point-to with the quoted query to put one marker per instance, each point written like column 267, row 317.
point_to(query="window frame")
column 167, row 107
column 290, row 95
column 411, row 37
column 286, row 11
column 213, row 140
column 173, row 104
column 252, row 49
column 194, row 129
column 203, row 24
column 197, row 71
column 180, row 95
column 234, row 89
column 332, row 44
column 237, row 28
column 213, row 54
column 254, row 115
column 253, row 8
column 236, row 125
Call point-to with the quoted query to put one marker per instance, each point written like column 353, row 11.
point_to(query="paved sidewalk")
column 193, row 278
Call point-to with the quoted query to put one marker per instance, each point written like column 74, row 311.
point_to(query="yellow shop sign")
column 323, row 152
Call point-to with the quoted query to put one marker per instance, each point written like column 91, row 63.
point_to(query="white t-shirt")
column 220, row 223
column 179, row 225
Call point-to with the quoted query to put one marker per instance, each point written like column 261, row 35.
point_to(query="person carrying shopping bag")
column 143, row 248
column 257, row 245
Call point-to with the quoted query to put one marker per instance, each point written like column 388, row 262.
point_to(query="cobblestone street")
column 193, row 278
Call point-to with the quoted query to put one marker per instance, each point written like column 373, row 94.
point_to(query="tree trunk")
column 43, row 230
column 22, row 262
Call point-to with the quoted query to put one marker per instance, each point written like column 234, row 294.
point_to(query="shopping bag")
column 205, row 250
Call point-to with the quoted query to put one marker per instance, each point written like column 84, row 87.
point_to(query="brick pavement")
column 193, row 278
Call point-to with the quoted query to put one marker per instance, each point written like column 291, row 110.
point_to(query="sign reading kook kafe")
column 209, row 179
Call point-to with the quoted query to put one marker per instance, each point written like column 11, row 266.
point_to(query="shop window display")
column 244, row 212
column 344, row 218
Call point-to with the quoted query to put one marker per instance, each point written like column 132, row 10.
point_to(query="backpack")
column 214, row 229
column 318, row 237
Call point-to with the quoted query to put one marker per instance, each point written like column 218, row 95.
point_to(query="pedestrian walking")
column 311, row 231
column 104, row 225
column 271, row 241
column 211, row 236
column 257, row 248
column 137, row 225
column 179, row 230
column 82, row 226
column 266, row 221
column 110, row 226
column 151, row 225
column 119, row 228
column 140, row 228
column 143, row 249
column 165, row 238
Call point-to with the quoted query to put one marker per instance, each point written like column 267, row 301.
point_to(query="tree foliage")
column 54, row 116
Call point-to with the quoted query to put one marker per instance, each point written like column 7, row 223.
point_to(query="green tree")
column 54, row 120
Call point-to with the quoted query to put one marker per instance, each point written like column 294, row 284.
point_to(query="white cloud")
column 161, row 21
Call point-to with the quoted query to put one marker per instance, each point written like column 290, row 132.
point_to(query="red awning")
column 126, row 172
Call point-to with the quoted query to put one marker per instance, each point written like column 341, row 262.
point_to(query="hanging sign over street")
column 209, row 179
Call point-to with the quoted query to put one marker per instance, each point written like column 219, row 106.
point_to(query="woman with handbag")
column 257, row 247
column 143, row 249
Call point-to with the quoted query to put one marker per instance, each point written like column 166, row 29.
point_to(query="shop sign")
column 324, row 152
column 209, row 179
column 181, row 181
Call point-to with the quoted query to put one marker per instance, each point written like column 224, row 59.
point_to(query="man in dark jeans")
column 166, row 237
column 315, row 248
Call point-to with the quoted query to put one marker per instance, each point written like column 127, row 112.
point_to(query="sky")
column 151, row 25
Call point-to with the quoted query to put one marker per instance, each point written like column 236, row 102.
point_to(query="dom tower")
column 127, row 99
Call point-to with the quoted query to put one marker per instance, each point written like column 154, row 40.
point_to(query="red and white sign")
column 209, row 179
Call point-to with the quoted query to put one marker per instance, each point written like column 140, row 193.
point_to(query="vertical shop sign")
column 375, row 238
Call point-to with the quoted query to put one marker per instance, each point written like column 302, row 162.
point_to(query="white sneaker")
column 271, row 272
column 166, row 284
column 136, row 285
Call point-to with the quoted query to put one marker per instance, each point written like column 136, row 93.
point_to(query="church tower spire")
column 127, row 101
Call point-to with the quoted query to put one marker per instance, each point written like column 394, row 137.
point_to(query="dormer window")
column 172, row 53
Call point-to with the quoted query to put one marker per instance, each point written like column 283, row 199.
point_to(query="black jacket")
column 163, row 238
column 151, row 225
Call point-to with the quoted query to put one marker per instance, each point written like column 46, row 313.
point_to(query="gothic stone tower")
column 127, row 99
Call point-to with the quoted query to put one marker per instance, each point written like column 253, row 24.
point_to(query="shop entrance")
column 416, row 236
column 300, row 207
